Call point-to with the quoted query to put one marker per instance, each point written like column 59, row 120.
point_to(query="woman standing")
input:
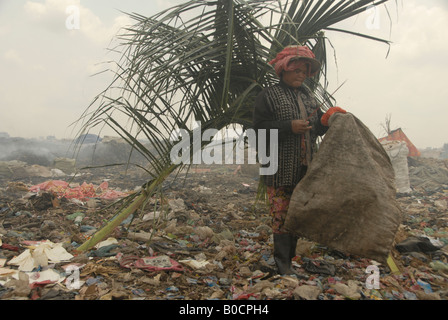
column 291, row 109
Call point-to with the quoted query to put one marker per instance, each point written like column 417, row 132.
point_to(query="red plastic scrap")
column 41, row 284
column 9, row 247
column 84, row 191
column 35, row 294
column 245, row 296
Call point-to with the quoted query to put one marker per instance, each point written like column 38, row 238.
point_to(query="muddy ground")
column 211, row 238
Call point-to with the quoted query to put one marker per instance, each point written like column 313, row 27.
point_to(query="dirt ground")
column 202, row 237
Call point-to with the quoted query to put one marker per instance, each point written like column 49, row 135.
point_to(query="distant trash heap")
column 82, row 192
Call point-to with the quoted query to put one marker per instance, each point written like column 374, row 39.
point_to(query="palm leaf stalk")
column 204, row 61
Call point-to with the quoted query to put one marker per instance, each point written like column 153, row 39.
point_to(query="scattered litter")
column 45, row 277
column 109, row 241
column 159, row 263
column 307, row 292
column 195, row 264
column 197, row 247
column 40, row 255
column 351, row 290
column 416, row 244
column 319, row 266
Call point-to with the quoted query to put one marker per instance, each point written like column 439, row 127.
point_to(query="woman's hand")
column 300, row 126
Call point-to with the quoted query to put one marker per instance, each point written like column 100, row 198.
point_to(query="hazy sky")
column 46, row 64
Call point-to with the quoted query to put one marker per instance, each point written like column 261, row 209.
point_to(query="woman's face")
column 296, row 77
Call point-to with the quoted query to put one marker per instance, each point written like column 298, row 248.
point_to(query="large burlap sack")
column 347, row 200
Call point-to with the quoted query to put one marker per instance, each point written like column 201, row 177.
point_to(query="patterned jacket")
column 275, row 108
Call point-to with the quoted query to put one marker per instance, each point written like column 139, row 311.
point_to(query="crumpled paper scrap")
column 40, row 255
column 195, row 264
column 49, row 275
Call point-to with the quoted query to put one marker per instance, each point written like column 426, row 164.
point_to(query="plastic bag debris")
column 416, row 244
column 351, row 290
column 109, row 241
column 159, row 263
column 307, row 292
column 319, row 266
column 195, row 264
column 45, row 277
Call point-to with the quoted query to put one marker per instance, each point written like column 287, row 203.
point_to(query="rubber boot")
column 282, row 253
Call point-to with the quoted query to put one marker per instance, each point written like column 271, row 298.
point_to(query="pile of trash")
column 62, row 189
column 204, row 237
column 428, row 174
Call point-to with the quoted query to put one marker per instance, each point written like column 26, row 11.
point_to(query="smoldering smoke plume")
column 44, row 151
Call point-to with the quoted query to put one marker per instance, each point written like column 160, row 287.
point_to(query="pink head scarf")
column 301, row 53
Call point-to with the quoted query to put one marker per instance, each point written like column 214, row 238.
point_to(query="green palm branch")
column 204, row 61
